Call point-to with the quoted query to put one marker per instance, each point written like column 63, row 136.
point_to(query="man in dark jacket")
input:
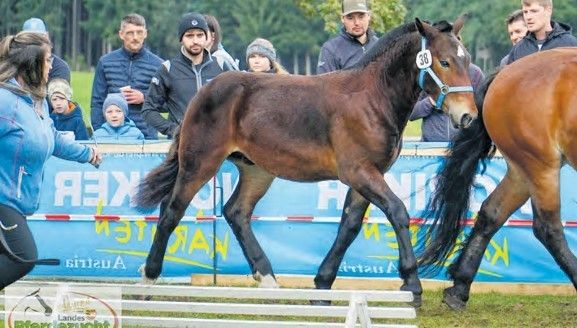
column 354, row 39
column 127, row 70
column 544, row 34
column 177, row 80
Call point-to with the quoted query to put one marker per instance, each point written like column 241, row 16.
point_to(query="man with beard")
column 354, row 39
column 177, row 80
column 127, row 70
column 544, row 34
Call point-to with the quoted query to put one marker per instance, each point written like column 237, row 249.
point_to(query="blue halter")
column 445, row 89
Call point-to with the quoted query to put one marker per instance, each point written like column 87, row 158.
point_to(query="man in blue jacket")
column 127, row 70
column 354, row 39
column 544, row 34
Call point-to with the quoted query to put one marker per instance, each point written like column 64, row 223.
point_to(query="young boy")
column 67, row 115
column 118, row 126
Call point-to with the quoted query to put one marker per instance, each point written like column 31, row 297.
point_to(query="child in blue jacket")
column 118, row 126
column 67, row 115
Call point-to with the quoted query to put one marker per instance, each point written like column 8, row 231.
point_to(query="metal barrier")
column 240, row 307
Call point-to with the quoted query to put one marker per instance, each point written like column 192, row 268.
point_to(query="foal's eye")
column 444, row 63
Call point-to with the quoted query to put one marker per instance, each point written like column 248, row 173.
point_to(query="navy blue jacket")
column 71, row 121
column 117, row 69
column 60, row 69
column 560, row 36
column 343, row 51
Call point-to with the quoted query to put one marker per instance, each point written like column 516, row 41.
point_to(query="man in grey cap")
column 354, row 39
column 60, row 68
column 177, row 80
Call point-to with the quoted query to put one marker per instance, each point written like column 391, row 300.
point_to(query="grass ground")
column 82, row 87
column 491, row 310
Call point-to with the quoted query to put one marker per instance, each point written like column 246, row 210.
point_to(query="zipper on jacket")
column 21, row 173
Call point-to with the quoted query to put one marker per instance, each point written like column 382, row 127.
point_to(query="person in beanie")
column 354, row 39
column 67, row 115
column 179, row 79
column 118, row 126
column 261, row 57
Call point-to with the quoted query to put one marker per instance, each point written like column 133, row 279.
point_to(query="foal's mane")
column 390, row 41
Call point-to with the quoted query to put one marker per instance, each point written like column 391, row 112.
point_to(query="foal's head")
column 445, row 70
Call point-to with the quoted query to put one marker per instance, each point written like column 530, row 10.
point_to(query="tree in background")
column 83, row 30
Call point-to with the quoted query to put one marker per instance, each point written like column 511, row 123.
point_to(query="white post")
column 358, row 308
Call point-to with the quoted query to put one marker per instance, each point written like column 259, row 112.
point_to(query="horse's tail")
column 449, row 202
column 159, row 182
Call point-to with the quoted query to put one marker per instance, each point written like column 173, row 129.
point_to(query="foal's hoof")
column 145, row 281
column 267, row 281
column 453, row 301
column 417, row 301
column 320, row 303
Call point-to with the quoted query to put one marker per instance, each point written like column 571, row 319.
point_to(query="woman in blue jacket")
column 27, row 140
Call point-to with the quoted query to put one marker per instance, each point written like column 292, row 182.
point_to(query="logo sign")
column 424, row 59
column 62, row 306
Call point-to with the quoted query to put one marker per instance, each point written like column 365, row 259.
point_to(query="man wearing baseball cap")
column 60, row 68
column 354, row 39
column 177, row 80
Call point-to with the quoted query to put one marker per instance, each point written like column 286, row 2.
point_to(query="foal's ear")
column 460, row 22
column 424, row 28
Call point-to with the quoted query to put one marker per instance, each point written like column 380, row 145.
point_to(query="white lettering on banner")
column 90, row 263
column 91, row 187
column 331, row 190
column 100, row 188
column 126, row 187
column 67, row 184
column 401, row 188
column 421, row 191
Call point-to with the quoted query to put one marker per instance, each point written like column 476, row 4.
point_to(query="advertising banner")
column 86, row 219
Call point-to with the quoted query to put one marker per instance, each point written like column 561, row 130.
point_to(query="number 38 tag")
column 424, row 59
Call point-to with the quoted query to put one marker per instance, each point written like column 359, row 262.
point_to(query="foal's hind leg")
column 547, row 226
column 369, row 182
column 192, row 175
column 252, row 185
column 351, row 221
column 509, row 195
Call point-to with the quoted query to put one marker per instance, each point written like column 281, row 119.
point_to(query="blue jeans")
column 19, row 238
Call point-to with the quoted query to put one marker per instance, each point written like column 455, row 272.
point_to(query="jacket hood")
column 75, row 112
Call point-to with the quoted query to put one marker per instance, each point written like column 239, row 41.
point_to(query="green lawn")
column 82, row 87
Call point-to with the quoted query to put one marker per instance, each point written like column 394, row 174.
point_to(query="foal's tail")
column 159, row 182
column 450, row 200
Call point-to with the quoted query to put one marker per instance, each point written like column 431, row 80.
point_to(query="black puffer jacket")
column 560, row 36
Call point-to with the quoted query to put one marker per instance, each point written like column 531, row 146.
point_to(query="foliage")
column 385, row 14
column 485, row 33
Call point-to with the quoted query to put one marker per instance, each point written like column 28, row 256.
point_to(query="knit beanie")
column 262, row 47
column 118, row 100
column 60, row 86
column 192, row 20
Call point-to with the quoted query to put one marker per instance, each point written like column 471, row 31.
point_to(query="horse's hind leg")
column 547, row 225
column 509, row 195
column 252, row 185
column 351, row 221
column 193, row 173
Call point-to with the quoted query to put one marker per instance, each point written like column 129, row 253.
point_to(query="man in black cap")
column 179, row 79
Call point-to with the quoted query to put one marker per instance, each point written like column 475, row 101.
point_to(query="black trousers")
column 19, row 238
